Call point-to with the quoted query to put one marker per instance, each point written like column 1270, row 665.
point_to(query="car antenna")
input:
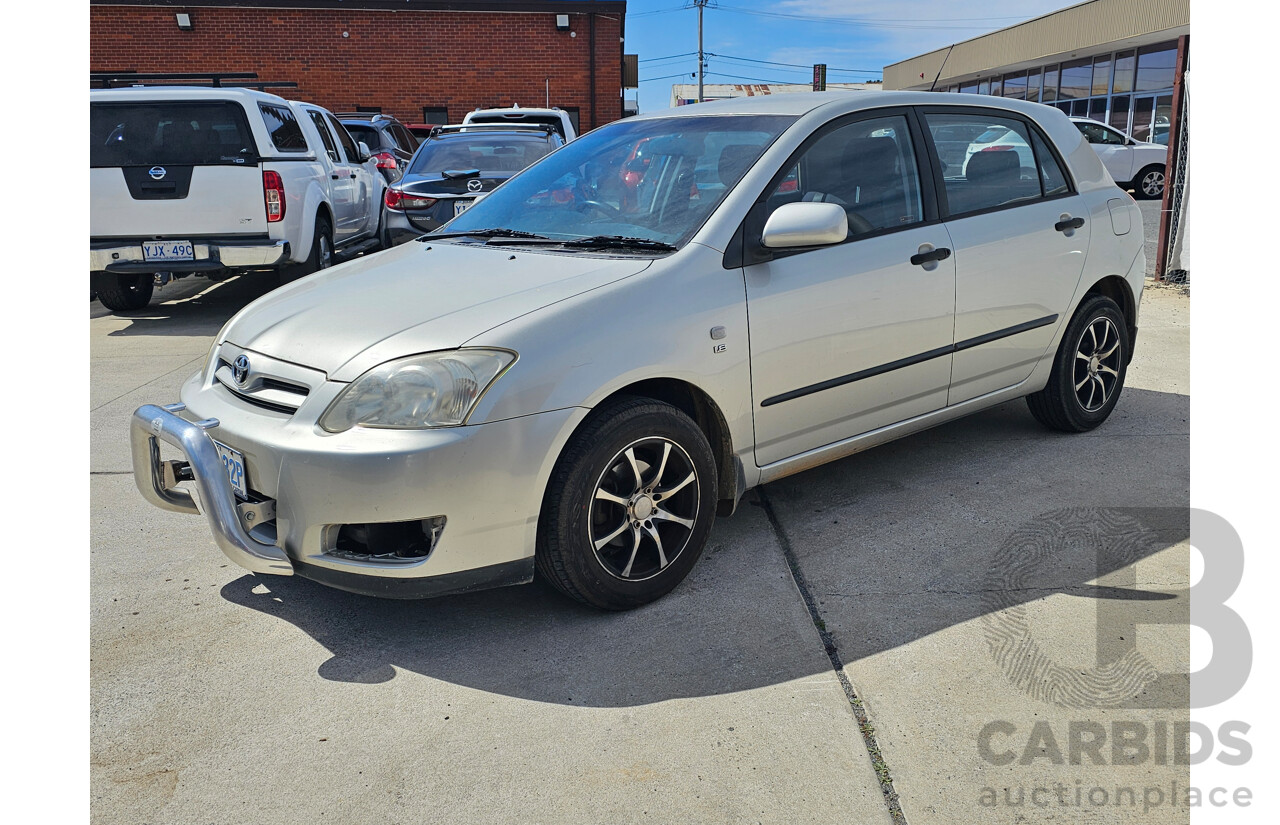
column 944, row 63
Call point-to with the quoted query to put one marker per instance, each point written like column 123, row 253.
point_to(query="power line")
column 874, row 23
column 796, row 65
column 667, row 57
column 666, row 76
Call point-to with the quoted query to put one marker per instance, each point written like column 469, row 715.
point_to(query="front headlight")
column 438, row 389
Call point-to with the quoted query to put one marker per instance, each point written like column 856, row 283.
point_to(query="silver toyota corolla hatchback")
column 576, row 375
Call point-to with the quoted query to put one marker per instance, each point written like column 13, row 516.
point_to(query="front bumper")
column 486, row 479
column 210, row 256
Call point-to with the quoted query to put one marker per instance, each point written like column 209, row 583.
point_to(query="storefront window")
column 1076, row 80
column 984, row 87
column 1101, row 75
column 1034, row 78
column 1156, row 68
column 1125, row 63
column 1098, row 108
column 1015, row 86
column 1050, row 93
column 1120, row 113
column 969, row 88
column 997, row 86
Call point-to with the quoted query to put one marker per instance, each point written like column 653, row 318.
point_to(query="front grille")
column 266, row 391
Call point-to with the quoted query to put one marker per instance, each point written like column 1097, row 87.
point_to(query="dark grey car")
column 452, row 167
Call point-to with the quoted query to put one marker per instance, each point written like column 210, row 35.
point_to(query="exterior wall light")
column 184, row 22
column 562, row 22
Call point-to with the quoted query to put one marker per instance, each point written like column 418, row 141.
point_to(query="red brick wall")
column 399, row 60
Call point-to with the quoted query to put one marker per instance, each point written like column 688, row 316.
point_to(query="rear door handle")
column 1068, row 223
column 335, row 177
column 353, row 175
column 939, row 254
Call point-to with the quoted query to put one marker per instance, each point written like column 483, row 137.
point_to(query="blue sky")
column 751, row 36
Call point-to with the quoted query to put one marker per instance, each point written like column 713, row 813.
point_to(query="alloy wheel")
column 1153, row 184
column 326, row 252
column 643, row 509
column 1097, row 364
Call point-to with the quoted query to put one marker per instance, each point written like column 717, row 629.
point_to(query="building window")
column 1098, row 108
column 1015, row 86
column 984, row 87
column 1034, row 79
column 1125, row 63
column 969, row 88
column 1120, row 113
column 1050, row 93
column 370, row 110
column 1076, row 79
column 435, row 115
column 1101, row 75
column 1156, row 68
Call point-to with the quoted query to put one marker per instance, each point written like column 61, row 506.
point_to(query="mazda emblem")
column 157, row 172
column 240, row 369
column 474, row 185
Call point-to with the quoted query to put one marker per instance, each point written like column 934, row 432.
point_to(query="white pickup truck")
column 219, row 181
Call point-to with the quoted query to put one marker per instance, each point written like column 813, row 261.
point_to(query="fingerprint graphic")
column 1024, row 566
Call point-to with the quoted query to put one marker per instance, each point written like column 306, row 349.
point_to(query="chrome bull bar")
column 156, row 480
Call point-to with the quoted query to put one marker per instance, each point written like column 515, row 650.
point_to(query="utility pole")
column 701, row 4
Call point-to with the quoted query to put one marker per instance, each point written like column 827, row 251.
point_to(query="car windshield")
column 654, row 179
column 488, row 153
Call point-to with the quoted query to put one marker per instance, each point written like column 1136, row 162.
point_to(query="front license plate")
column 233, row 461
column 168, row 251
column 460, row 206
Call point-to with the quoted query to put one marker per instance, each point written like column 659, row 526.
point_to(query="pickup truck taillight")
column 385, row 160
column 400, row 202
column 273, row 191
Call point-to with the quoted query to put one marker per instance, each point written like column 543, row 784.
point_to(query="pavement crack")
column 865, row 727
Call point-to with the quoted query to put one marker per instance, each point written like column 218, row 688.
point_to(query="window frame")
column 327, row 139
column 939, row 183
column 263, row 106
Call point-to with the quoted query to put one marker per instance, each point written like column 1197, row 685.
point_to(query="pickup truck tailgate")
column 176, row 201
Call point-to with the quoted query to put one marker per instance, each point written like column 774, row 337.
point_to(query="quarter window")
column 868, row 167
column 999, row 165
column 286, row 134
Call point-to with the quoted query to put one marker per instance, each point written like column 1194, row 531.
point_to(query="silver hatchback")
column 573, row 377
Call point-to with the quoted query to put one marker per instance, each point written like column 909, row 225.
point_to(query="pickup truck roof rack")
column 219, row 80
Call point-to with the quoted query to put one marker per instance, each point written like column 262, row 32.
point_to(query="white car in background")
column 1133, row 164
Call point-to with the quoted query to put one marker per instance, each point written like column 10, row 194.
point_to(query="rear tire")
column 321, row 256
column 1149, row 183
column 121, row 293
column 1088, row 369
column 628, row 507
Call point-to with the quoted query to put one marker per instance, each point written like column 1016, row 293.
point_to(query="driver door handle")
column 1068, row 223
column 939, row 254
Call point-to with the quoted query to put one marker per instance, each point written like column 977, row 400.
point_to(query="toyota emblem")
column 240, row 369
column 473, row 185
column 157, row 172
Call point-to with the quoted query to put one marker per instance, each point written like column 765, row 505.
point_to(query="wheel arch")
column 1117, row 289
column 696, row 403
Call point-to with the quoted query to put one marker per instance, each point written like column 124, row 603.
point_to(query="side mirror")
column 363, row 148
column 805, row 224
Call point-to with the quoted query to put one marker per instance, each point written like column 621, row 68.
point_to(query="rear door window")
column 325, row 136
column 286, row 134
column 169, row 132
column 999, row 167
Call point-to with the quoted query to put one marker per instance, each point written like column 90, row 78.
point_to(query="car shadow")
column 737, row 622
column 192, row 306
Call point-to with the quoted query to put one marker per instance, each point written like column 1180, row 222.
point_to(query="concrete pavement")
column 218, row 696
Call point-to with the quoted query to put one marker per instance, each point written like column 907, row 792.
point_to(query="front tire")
column 629, row 506
column 1149, row 184
column 121, row 293
column 1088, row 369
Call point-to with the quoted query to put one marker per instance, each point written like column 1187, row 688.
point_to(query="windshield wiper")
column 618, row 242
column 483, row 233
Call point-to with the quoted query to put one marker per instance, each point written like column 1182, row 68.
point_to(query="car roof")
column 529, row 133
column 802, row 103
column 185, row 93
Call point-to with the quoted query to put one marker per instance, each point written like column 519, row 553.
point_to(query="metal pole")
column 701, row 62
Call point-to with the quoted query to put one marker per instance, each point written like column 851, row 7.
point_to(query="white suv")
column 1133, row 164
column 216, row 181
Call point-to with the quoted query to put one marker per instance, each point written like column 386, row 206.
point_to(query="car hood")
column 417, row 297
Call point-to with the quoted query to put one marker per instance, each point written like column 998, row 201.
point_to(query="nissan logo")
column 157, row 172
column 473, row 185
column 240, row 369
